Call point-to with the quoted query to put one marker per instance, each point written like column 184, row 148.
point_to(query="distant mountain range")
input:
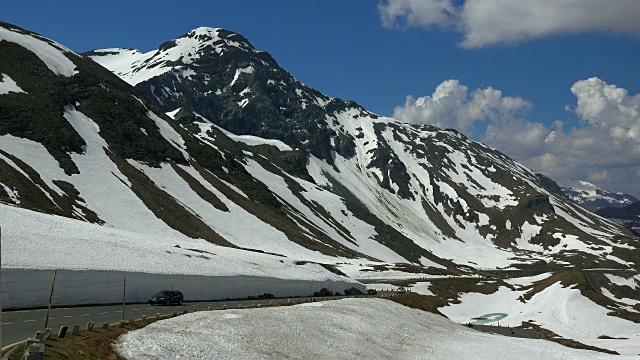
column 592, row 197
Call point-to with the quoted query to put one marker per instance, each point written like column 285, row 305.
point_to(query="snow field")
column 422, row 288
column 358, row 230
column 52, row 54
column 632, row 282
column 247, row 139
column 63, row 243
column 169, row 134
column 252, row 140
column 391, row 209
column 344, row 329
column 237, row 226
column 36, row 156
column 562, row 310
column 113, row 201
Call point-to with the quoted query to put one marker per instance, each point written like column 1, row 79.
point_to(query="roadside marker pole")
column 124, row 294
column 53, row 283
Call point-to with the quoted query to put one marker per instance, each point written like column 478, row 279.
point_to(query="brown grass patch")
column 90, row 345
column 421, row 302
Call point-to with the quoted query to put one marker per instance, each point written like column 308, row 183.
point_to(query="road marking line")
column 102, row 313
column 67, row 316
column 28, row 321
column 118, row 311
column 135, row 310
column 7, row 323
column 85, row 314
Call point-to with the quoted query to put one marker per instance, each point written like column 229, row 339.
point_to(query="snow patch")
column 172, row 114
column 7, row 85
column 169, row 134
column 52, row 54
column 247, row 70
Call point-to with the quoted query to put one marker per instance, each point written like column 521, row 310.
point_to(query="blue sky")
column 379, row 53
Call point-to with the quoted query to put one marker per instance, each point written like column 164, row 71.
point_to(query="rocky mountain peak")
column 183, row 56
column 208, row 40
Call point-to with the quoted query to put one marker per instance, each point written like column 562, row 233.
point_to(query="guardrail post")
column 62, row 332
column 76, row 330
column 90, row 326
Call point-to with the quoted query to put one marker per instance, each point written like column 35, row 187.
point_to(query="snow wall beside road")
column 28, row 288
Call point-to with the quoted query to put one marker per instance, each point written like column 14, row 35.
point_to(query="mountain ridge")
column 351, row 186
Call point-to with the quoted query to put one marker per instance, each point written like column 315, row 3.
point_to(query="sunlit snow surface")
column 250, row 140
column 51, row 53
column 63, row 243
column 343, row 329
column 7, row 85
column 563, row 310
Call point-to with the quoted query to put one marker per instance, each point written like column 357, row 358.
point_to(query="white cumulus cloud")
column 605, row 149
column 490, row 22
column 452, row 106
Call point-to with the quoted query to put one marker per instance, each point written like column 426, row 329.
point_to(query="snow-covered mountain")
column 330, row 182
column 218, row 154
column 592, row 197
column 420, row 187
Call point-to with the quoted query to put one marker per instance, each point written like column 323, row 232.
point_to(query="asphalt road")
column 20, row 324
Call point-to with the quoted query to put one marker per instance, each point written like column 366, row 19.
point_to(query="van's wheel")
column 166, row 303
column 180, row 302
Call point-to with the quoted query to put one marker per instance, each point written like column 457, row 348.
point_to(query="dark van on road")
column 167, row 297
